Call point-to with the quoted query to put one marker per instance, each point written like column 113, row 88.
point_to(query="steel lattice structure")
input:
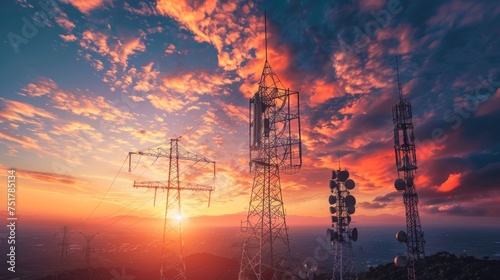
column 342, row 206
column 172, row 252
column 406, row 163
column 62, row 263
column 275, row 147
column 88, row 238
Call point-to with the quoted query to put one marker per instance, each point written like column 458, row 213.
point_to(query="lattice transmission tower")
column 88, row 249
column 62, row 262
column 172, row 252
column 406, row 163
column 342, row 206
column 275, row 148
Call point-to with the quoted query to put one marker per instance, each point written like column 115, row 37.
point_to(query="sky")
column 85, row 82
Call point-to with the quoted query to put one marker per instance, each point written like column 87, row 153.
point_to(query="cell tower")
column 275, row 147
column 172, row 252
column 406, row 163
column 342, row 206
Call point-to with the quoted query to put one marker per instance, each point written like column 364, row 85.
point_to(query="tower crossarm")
column 164, row 186
column 182, row 154
column 158, row 152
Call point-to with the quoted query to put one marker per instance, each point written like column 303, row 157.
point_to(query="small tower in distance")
column 342, row 206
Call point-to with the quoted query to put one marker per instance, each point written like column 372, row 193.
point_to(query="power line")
column 107, row 191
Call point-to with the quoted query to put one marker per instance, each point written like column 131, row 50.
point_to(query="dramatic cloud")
column 106, row 77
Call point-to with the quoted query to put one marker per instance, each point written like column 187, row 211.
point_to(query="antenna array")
column 342, row 206
column 275, row 147
column 406, row 163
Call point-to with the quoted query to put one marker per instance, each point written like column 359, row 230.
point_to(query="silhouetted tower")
column 62, row 262
column 172, row 252
column 406, row 163
column 342, row 206
column 88, row 238
column 275, row 147
column 64, row 247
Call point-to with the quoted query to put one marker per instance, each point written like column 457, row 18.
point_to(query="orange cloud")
column 146, row 78
column 451, row 183
column 323, row 90
column 63, row 21
column 24, row 141
column 166, row 102
column 22, row 112
column 83, row 105
column 68, row 38
column 48, row 177
column 85, row 6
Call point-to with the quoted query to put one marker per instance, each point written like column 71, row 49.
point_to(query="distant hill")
column 442, row 265
column 204, row 266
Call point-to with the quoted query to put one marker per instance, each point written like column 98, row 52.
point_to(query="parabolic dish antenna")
column 333, row 185
column 351, row 209
column 401, row 261
column 331, row 235
column 333, row 210
column 400, row 184
column 343, row 175
column 334, row 219
column 354, row 234
column 332, row 199
column 349, row 184
column 401, row 236
column 334, row 175
column 350, row 200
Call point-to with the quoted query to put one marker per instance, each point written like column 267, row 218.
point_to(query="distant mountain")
column 442, row 265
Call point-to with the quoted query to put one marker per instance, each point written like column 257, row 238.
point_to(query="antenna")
column 340, row 235
column 406, row 163
column 265, row 31
column 275, row 148
column 338, row 155
column 400, row 88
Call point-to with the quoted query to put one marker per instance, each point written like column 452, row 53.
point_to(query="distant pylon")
column 275, row 147
column 62, row 262
column 342, row 206
column 172, row 252
column 406, row 163
column 88, row 238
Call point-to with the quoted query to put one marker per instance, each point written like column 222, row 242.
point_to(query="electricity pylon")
column 172, row 255
column 62, row 265
column 274, row 115
column 406, row 163
column 88, row 238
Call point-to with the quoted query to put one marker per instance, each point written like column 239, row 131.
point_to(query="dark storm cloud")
column 388, row 197
column 457, row 210
column 331, row 108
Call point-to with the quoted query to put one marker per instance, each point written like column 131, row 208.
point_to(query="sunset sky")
column 93, row 80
